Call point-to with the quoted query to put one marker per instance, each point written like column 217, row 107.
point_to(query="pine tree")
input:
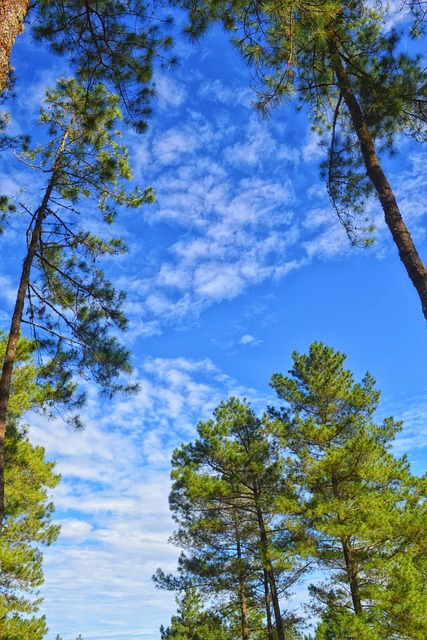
column 363, row 508
column 63, row 294
column 361, row 88
column 225, row 486
column 27, row 523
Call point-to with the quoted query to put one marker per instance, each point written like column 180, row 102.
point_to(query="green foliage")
column 224, row 493
column 6, row 207
column 192, row 622
column 26, row 525
column 299, row 49
column 33, row 387
column 71, row 305
column 110, row 42
column 356, row 500
column 84, row 148
column 314, row 484
column 27, row 522
column 418, row 11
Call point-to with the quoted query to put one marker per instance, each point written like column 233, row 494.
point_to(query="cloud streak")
column 112, row 502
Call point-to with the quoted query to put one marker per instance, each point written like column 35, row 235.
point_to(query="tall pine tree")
column 105, row 41
column 225, row 488
column 362, row 506
column 63, row 294
column 362, row 90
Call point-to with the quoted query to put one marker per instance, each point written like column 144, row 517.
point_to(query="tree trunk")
column 12, row 14
column 15, row 328
column 270, row 574
column 350, row 565
column 268, row 606
column 408, row 253
column 352, row 576
column 242, row 586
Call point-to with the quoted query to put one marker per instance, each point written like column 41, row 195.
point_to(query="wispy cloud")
column 113, row 500
column 219, row 92
column 240, row 205
column 169, row 92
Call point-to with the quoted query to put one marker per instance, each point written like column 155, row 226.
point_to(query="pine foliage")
column 27, row 523
column 314, row 484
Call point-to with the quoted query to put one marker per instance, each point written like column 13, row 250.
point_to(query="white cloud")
column 7, row 290
column 332, row 242
column 218, row 91
column 169, row 92
column 319, row 217
column 257, row 146
column 249, row 340
column 73, row 530
column 216, row 281
column 239, row 204
column 173, row 144
column 312, row 149
column 413, row 437
column 112, row 502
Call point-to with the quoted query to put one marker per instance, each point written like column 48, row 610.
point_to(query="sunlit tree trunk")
column 350, row 564
column 408, row 253
column 268, row 606
column 12, row 14
column 352, row 575
column 83, row 161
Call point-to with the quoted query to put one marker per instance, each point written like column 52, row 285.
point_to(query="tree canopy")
column 313, row 484
column 258, row 501
column 110, row 42
column 63, row 293
column 362, row 90
column 28, row 510
column 224, row 494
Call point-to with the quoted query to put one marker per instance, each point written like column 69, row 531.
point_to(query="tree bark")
column 242, row 586
column 15, row 328
column 408, row 253
column 12, row 14
column 270, row 574
column 268, row 606
column 350, row 565
column 352, row 576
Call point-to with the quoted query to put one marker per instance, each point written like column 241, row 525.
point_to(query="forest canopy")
column 311, row 488
column 272, row 159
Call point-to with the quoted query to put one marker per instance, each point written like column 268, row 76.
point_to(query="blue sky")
column 239, row 262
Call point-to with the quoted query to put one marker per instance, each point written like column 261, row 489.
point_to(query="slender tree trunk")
column 15, row 327
column 12, row 14
column 352, row 576
column 408, row 253
column 350, row 565
column 268, row 606
column 270, row 574
column 242, row 585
